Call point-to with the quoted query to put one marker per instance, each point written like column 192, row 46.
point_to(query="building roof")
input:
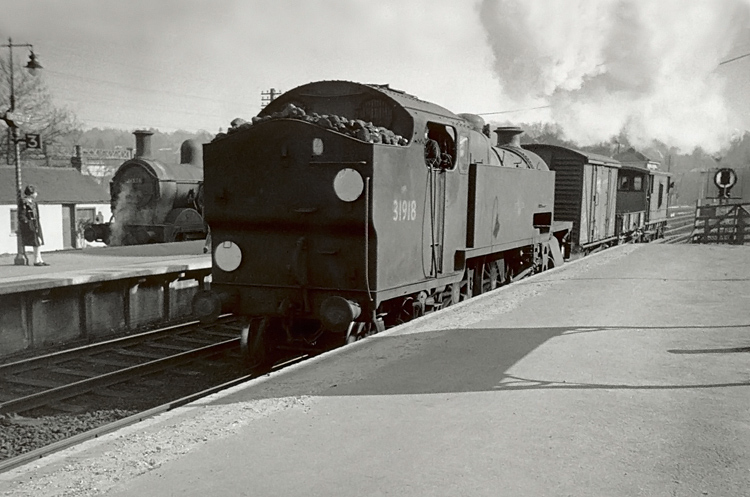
column 631, row 155
column 633, row 158
column 55, row 185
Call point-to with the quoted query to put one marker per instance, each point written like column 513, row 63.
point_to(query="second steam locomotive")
column 153, row 202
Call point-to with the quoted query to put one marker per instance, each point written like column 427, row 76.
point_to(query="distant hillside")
column 164, row 146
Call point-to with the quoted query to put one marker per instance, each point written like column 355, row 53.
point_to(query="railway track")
column 57, row 400
column 680, row 226
column 49, row 380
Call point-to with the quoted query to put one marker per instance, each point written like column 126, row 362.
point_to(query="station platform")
column 98, row 264
column 623, row 373
column 84, row 295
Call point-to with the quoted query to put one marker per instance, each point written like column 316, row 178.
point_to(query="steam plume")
column 127, row 213
column 644, row 68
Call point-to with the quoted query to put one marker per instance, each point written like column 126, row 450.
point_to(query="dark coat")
column 432, row 153
column 30, row 227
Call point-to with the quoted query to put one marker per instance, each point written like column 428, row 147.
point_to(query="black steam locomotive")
column 344, row 207
column 153, row 202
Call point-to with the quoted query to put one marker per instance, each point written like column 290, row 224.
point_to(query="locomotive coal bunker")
column 153, row 202
column 346, row 207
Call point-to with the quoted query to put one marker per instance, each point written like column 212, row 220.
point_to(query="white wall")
column 7, row 239
column 52, row 225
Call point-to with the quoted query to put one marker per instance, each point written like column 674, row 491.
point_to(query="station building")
column 67, row 199
column 633, row 158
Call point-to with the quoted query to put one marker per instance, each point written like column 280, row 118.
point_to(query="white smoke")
column 127, row 213
column 645, row 68
column 121, row 215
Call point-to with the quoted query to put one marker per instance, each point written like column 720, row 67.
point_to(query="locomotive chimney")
column 509, row 136
column 143, row 143
column 191, row 152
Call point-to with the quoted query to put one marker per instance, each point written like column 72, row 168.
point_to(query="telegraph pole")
column 266, row 97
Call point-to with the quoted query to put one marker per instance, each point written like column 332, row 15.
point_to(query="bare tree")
column 35, row 110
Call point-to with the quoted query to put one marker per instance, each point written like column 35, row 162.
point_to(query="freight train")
column 153, row 202
column 609, row 201
column 343, row 208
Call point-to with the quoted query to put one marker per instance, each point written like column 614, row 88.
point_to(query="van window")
column 623, row 183
column 638, row 184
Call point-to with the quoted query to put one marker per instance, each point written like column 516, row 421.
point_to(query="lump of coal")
column 356, row 128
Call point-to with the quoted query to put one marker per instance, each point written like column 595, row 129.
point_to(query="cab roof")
column 320, row 91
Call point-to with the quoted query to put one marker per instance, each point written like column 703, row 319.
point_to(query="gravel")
column 22, row 434
column 136, row 450
column 44, row 426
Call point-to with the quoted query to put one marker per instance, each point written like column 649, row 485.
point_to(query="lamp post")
column 10, row 120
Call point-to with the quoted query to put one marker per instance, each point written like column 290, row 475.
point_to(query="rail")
column 132, row 357
column 679, row 227
column 33, row 455
column 179, row 349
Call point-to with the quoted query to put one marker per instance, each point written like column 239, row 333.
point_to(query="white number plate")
column 404, row 210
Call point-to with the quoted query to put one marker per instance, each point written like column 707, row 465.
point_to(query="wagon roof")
column 588, row 156
column 335, row 88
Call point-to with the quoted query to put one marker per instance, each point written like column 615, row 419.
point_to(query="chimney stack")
column 143, row 143
column 509, row 136
column 76, row 161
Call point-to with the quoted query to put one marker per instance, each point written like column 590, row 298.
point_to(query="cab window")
column 440, row 146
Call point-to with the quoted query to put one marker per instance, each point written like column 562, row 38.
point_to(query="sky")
column 648, row 69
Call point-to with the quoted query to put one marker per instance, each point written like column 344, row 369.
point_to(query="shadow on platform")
column 450, row 361
column 730, row 350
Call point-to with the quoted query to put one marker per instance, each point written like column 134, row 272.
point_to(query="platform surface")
column 69, row 267
column 626, row 373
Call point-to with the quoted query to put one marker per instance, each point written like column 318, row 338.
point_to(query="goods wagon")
column 585, row 194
